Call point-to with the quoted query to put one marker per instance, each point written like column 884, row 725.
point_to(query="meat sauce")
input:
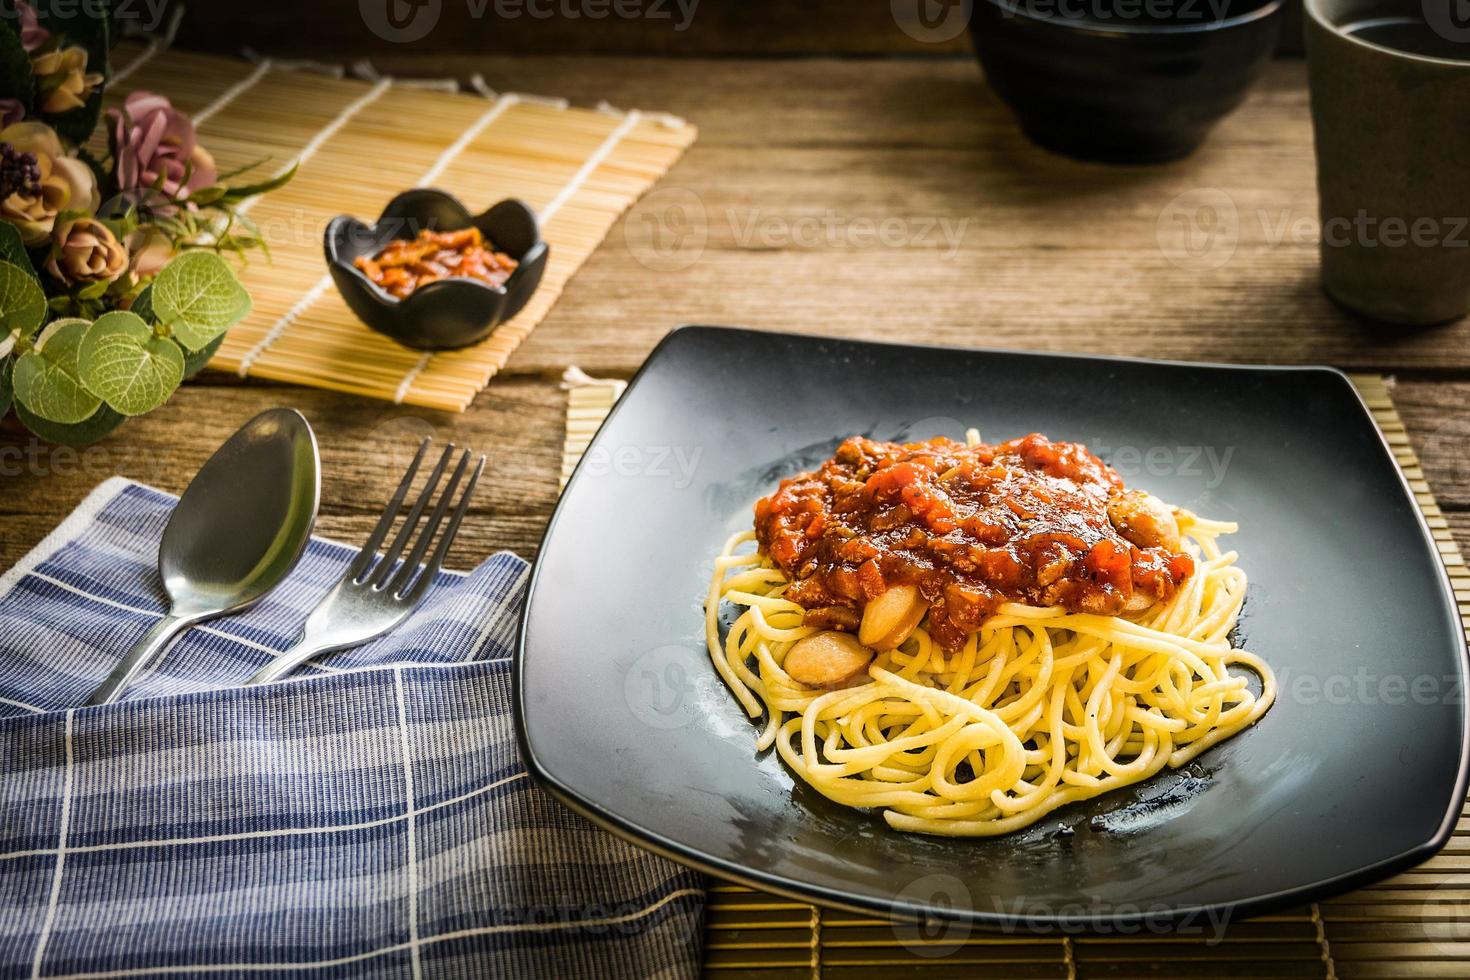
column 404, row 265
column 971, row 527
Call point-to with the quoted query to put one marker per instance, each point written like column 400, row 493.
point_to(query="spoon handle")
column 147, row 649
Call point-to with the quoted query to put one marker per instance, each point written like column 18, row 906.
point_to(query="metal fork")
column 375, row 594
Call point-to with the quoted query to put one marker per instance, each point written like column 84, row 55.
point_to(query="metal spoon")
column 236, row 533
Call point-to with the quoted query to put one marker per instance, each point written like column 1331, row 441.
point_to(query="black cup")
column 1123, row 81
column 1390, row 94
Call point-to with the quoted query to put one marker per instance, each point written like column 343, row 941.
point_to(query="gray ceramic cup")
column 1393, row 158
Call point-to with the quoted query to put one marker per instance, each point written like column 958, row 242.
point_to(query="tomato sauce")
column 971, row 526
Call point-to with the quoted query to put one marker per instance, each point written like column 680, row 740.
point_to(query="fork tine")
column 432, row 568
column 365, row 555
column 384, row 568
column 411, row 563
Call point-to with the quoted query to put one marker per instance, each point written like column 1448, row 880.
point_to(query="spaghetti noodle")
column 1037, row 708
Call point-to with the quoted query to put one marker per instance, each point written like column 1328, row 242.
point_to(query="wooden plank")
column 681, row 28
column 752, row 228
column 365, row 447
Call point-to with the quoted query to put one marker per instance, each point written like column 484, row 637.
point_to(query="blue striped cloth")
column 369, row 818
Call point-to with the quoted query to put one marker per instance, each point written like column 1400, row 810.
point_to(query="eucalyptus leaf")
column 195, row 361
column 46, row 378
column 6, row 363
column 124, row 364
column 83, row 433
column 22, row 304
column 198, row 298
column 13, row 249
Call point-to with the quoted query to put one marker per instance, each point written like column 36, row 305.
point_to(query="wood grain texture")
column 812, row 202
column 366, row 445
column 670, row 28
column 1054, row 255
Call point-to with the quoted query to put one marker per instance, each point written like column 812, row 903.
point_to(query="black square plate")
column 1358, row 771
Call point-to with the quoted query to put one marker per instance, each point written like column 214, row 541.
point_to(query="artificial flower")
column 149, row 250
column 84, row 251
column 154, row 145
column 62, row 183
column 63, row 82
column 33, row 36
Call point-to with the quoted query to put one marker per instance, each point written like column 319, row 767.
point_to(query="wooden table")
column 814, row 201
column 818, row 186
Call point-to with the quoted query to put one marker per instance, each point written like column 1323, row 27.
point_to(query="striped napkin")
column 371, row 817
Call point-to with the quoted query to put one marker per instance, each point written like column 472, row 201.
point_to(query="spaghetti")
column 1037, row 708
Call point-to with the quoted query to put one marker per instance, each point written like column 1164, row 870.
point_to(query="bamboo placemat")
column 1414, row 925
column 358, row 144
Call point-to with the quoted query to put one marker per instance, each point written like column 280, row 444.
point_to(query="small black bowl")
column 1123, row 81
column 448, row 313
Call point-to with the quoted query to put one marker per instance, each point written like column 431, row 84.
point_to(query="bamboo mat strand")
column 588, row 402
column 356, row 144
column 1414, row 925
column 136, row 60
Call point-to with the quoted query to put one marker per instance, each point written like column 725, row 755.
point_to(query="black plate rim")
column 908, row 911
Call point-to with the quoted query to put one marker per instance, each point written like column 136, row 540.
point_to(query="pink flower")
column 154, row 145
column 11, row 112
column 32, row 34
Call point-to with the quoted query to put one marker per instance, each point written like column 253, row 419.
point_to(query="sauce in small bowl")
column 432, row 276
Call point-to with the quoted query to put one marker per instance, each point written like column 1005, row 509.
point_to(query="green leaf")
column 143, row 304
column 93, row 290
column 22, row 304
column 16, row 79
column 244, row 168
column 205, row 196
column 101, row 422
column 46, row 377
column 234, row 194
column 6, row 363
column 198, row 298
column 195, row 361
column 13, row 249
column 125, row 365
